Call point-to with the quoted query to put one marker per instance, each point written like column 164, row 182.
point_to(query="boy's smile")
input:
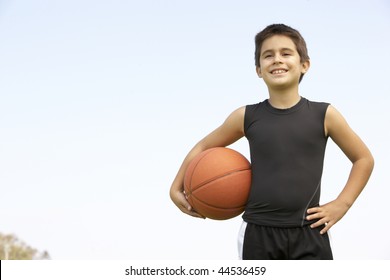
column 279, row 71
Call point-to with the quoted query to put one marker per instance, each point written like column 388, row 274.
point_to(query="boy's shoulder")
column 316, row 102
column 258, row 104
column 319, row 106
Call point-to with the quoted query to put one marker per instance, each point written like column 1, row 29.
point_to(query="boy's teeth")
column 278, row 71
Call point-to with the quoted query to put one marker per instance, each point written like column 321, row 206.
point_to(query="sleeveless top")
column 287, row 148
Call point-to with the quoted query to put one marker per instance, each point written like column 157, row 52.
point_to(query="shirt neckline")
column 287, row 110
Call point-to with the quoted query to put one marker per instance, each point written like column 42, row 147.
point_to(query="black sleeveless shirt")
column 287, row 148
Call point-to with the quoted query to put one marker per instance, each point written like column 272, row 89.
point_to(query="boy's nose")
column 277, row 58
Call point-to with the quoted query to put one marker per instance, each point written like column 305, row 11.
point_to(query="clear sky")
column 100, row 101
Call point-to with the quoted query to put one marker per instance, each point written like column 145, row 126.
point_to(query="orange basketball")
column 217, row 183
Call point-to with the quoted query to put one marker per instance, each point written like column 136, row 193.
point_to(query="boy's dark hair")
column 281, row 29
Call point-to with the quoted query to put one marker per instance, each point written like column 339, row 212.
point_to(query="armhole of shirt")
column 246, row 117
column 327, row 105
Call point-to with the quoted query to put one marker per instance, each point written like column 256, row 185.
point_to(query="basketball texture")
column 217, row 183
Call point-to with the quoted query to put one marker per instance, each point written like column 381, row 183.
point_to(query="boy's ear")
column 258, row 71
column 305, row 66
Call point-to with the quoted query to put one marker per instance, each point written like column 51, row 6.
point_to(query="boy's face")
column 280, row 63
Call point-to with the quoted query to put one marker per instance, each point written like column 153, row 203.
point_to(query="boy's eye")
column 286, row 54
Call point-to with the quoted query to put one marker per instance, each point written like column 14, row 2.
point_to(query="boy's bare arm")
column 229, row 132
column 362, row 164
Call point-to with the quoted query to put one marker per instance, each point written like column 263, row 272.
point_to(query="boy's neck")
column 283, row 99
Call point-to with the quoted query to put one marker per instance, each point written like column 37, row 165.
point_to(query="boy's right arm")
column 229, row 132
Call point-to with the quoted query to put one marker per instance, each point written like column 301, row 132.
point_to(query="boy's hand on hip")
column 327, row 214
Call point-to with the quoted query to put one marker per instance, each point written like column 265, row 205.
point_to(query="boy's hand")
column 327, row 214
column 179, row 198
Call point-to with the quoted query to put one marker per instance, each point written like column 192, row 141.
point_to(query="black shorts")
column 273, row 243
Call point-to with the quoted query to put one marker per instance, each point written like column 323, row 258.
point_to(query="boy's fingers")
column 194, row 214
column 326, row 228
column 187, row 209
column 313, row 210
column 314, row 216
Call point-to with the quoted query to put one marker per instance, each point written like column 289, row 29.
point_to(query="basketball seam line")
column 218, row 177
column 192, row 174
column 215, row 207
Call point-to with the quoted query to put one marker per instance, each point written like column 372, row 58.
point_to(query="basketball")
column 217, row 183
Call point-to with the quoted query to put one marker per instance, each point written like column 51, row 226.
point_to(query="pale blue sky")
column 101, row 100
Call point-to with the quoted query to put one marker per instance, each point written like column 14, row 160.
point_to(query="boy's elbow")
column 371, row 162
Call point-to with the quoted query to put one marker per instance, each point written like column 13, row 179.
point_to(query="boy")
column 287, row 136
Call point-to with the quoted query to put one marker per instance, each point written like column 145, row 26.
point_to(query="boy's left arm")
column 362, row 165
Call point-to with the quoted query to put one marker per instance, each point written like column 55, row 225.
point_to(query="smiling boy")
column 287, row 135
